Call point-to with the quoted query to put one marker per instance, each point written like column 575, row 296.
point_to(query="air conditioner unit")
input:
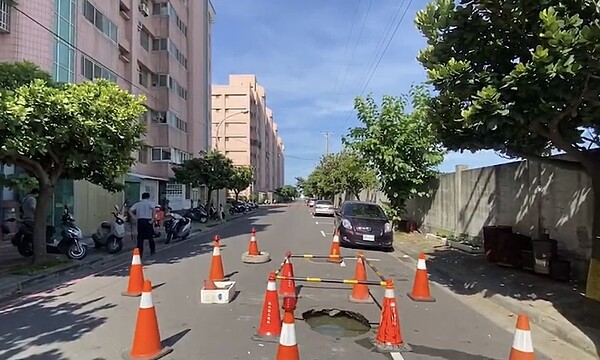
column 144, row 9
column 124, row 58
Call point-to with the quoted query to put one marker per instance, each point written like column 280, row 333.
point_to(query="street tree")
column 327, row 178
column 241, row 180
column 400, row 145
column 520, row 78
column 212, row 170
column 286, row 193
column 85, row 131
column 354, row 173
column 300, row 184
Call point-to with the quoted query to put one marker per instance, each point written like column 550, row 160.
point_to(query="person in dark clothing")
column 142, row 212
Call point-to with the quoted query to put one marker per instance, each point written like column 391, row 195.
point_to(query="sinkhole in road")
column 336, row 322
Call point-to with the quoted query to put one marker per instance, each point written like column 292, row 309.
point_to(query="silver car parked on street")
column 323, row 207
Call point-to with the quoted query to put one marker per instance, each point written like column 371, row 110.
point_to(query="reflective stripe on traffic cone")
column 288, row 287
column 253, row 247
column 334, row 253
column 146, row 339
column 420, row 291
column 216, row 263
column 360, row 292
column 389, row 333
column 522, row 347
column 136, row 276
column 288, row 345
column 270, row 320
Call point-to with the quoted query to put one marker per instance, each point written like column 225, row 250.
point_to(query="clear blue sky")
column 313, row 58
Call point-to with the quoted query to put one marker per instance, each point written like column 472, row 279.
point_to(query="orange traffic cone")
column 420, row 291
column 136, row 276
column 389, row 334
column 216, row 264
column 270, row 321
column 253, row 247
column 522, row 347
column 209, row 285
column 288, row 287
column 146, row 339
column 288, row 345
column 334, row 252
column 360, row 292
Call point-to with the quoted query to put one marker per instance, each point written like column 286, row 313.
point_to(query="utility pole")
column 327, row 135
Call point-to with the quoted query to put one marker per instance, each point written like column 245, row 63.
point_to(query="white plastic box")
column 222, row 295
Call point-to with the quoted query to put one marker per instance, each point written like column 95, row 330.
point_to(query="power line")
column 352, row 21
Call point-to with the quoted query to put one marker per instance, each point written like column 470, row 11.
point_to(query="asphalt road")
column 87, row 318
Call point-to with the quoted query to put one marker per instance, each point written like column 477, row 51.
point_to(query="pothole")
column 336, row 323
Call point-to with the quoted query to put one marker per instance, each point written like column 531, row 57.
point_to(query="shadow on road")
column 46, row 319
column 467, row 274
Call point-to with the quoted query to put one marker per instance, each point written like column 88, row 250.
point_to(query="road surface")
column 87, row 318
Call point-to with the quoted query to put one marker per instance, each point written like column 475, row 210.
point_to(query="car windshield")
column 368, row 211
column 324, row 202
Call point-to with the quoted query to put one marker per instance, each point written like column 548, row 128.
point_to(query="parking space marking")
column 323, row 233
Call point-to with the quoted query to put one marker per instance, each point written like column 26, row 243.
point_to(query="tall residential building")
column 159, row 48
column 244, row 130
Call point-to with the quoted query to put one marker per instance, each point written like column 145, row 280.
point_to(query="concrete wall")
column 93, row 205
column 530, row 196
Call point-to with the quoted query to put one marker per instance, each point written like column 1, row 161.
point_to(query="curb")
column 576, row 340
column 113, row 260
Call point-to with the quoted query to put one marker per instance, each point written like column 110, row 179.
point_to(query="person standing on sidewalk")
column 142, row 212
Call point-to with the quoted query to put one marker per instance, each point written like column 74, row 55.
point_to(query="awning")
column 135, row 177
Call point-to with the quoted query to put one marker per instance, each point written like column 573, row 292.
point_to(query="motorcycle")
column 177, row 226
column 238, row 207
column 197, row 213
column 70, row 243
column 110, row 235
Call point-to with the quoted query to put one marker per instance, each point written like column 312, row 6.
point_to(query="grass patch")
column 31, row 269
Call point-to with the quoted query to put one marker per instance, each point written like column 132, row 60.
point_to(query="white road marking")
column 323, row 233
column 397, row 356
column 316, row 222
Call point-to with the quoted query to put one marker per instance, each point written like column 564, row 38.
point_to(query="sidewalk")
column 14, row 278
column 558, row 307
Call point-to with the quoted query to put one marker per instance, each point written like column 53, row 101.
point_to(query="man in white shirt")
column 142, row 212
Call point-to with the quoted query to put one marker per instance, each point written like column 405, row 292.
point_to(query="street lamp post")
column 221, row 123
column 217, row 143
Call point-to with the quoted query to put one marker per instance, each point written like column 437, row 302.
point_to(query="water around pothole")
column 337, row 323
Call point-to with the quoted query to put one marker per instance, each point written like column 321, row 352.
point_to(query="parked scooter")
column 110, row 235
column 177, row 226
column 197, row 213
column 70, row 243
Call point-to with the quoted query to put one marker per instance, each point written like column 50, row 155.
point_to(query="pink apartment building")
column 244, row 130
column 159, row 48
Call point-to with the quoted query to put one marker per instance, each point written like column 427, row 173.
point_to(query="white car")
column 323, row 207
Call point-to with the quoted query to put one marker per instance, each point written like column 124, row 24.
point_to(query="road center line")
column 323, row 233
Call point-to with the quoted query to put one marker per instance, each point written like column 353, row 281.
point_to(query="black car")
column 363, row 224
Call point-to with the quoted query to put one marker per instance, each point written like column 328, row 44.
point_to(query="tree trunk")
column 593, row 279
column 237, row 194
column 39, row 231
column 208, row 198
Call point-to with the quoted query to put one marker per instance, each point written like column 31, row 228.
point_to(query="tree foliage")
column 241, row 179
column 521, row 78
column 342, row 172
column 85, row 131
column 213, row 170
column 286, row 193
column 400, row 145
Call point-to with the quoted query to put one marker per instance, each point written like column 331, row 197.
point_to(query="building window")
column 143, row 155
column 168, row 9
column 92, row 70
column 180, row 156
column 160, row 79
column 145, row 40
column 143, row 75
column 160, row 9
column 5, row 9
column 101, row 22
column 159, row 44
column 64, row 52
column 159, row 117
column 161, row 154
column 177, row 54
column 174, row 190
